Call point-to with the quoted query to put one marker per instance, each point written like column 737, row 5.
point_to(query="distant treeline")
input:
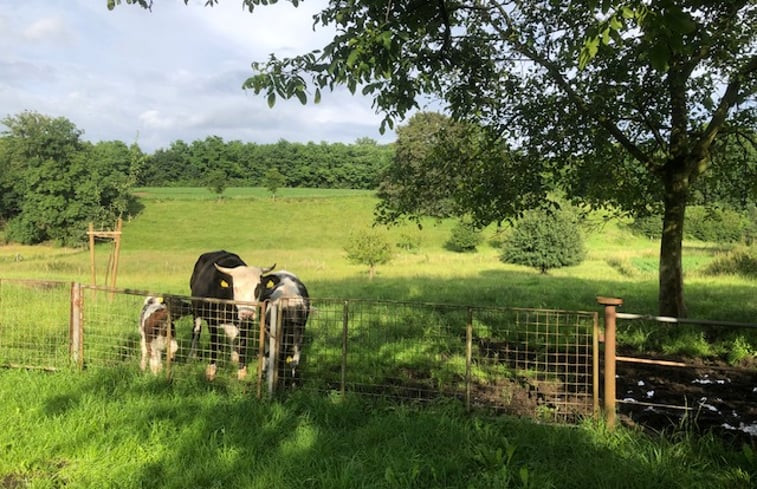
column 322, row 165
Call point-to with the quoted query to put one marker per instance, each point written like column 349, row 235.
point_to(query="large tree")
column 58, row 183
column 617, row 88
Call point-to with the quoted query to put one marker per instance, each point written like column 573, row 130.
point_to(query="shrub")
column 369, row 247
column 545, row 240
column 741, row 260
column 216, row 181
column 464, row 237
column 715, row 225
column 740, row 351
column 22, row 230
column 410, row 242
column 648, row 226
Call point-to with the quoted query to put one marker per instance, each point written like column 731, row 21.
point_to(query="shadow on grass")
column 138, row 431
column 534, row 290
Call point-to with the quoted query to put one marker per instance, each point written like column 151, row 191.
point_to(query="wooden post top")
column 609, row 301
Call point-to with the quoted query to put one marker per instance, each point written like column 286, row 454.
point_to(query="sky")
column 173, row 73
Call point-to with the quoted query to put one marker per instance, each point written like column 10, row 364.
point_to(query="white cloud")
column 49, row 29
column 173, row 73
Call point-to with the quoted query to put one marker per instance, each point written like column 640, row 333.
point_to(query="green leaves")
column 664, row 27
column 60, row 183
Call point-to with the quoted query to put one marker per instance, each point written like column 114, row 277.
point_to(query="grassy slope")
column 304, row 231
column 121, row 429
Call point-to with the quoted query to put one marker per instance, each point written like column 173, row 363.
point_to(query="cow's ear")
column 269, row 282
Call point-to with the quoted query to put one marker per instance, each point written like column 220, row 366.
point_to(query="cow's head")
column 245, row 280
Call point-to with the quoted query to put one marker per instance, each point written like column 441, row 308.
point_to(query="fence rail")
column 736, row 412
column 533, row 362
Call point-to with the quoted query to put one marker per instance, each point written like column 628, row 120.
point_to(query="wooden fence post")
column 76, row 326
column 611, row 304
column 91, row 235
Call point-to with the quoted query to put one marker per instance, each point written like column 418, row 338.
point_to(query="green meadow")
column 305, row 231
column 120, row 428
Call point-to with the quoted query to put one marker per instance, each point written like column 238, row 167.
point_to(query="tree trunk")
column 670, row 299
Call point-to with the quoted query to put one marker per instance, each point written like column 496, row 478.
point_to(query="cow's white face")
column 246, row 281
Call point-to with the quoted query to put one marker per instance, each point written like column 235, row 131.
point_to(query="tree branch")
column 727, row 101
column 511, row 36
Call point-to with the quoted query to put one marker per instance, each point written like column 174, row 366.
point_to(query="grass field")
column 305, row 230
column 118, row 428
column 109, row 429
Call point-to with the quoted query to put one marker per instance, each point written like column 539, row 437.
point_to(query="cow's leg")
column 232, row 331
column 244, row 333
column 196, row 330
column 296, row 320
column 296, row 351
column 210, row 371
column 145, row 350
column 174, row 346
column 156, row 346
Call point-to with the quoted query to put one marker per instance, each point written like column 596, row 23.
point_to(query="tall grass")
column 105, row 428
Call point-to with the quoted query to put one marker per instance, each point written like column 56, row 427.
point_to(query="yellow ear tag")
column 289, row 359
column 224, row 284
column 269, row 285
column 159, row 300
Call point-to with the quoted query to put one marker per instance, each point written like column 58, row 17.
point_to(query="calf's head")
column 245, row 280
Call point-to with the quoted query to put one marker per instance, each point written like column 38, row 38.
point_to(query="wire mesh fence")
column 538, row 363
column 34, row 323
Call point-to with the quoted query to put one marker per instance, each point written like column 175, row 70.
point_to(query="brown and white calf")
column 153, row 328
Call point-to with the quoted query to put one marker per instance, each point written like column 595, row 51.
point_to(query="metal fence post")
column 76, row 325
column 595, row 366
column 261, row 348
column 273, row 348
column 345, row 326
column 169, row 337
column 611, row 305
column 468, row 357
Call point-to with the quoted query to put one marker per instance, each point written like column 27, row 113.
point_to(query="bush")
column 715, row 225
column 545, row 240
column 410, row 242
column 741, row 260
column 648, row 226
column 464, row 237
column 705, row 224
column 369, row 247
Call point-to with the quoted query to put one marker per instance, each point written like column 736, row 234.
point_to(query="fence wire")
column 34, row 323
column 537, row 363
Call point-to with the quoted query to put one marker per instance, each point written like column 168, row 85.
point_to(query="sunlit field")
column 305, row 231
column 120, row 428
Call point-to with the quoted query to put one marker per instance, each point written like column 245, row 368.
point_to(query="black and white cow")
column 288, row 296
column 223, row 275
column 154, row 329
